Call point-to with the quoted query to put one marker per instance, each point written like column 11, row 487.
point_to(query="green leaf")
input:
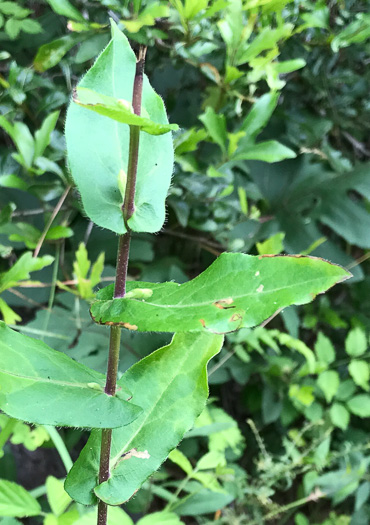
column 360, row 373
column 65, row 8
column 147, row 16
column 360, row 405
column 98, row 147
column 13, row 181
column 22, row 138
column 13, row 27
column 339, row 416
column 216, row 127
column 31, row 27
column 356, row 32
column 266, row 39
column 119, row 110
column 269, row 151
column 15, row 501
column 50, row 54
column 41, row 385
column 328, row 381
column 59, row 232
column 324, row 349
column 273, row 245
column 22, row 268
column 177, row 457
column 42, row 136
column 171, row 386
column 57, row 497
column 9, row 316
column 236, row 291
column 6, row 213
column 259, row 115
column 13, row 9
column 303, row 394
column 356, row 343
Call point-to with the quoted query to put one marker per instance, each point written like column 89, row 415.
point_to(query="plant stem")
column 121, row 275
column 60, row 446
column 51, row 220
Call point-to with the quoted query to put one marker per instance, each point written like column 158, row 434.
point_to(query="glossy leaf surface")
column 171, row 386
column 236, row 291
column 41, row 385
column 98, row 147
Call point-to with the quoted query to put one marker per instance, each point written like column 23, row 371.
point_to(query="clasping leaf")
column 236, row 291
column 119, row 110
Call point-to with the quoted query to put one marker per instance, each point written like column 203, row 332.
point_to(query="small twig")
column 50, row 221
column 88, row 231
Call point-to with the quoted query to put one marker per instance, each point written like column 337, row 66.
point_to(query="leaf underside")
column 98, row 147
column 236, row 291
column 43, row 386
column 171, row 387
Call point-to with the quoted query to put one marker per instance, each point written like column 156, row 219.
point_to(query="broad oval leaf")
column 98, row 147
column 41, row 385
column 171, row 386
column 236, row 291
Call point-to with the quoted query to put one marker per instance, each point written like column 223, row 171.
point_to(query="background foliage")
column 272, row 156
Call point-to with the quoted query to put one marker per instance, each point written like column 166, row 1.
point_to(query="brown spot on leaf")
column 223, row 303
column 129, row 326
column 202, row 322
column 235, row 317
column 134, row 453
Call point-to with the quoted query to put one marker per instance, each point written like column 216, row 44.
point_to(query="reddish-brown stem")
column 122, row 264
column 129, row 202
column 121, row 275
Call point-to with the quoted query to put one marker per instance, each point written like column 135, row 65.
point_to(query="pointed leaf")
column 269, row 151
column 65, row 8
column 22, row 268
column 40, row 385
column 260, row 114
column 42, row 135
column 216, row 127
column 15, row 501
column 57, row 497
column 171, row 386
column 119, row 110
column 50, row 54
column 236, row 291
column 98, row 147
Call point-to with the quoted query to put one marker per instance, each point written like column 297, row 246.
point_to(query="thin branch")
column 51, row 220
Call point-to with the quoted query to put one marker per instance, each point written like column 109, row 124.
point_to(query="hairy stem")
column 121, row 275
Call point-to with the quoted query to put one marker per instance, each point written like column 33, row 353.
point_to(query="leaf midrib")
column 209, row 302
column 39, row 379
column 127, row 444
